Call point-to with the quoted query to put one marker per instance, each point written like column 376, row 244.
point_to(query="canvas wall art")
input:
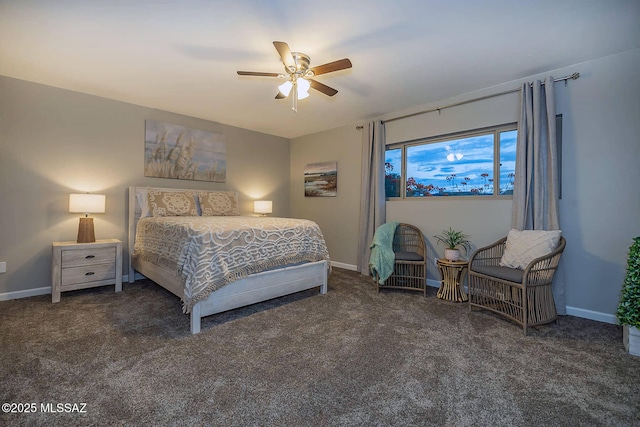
column 321, row 179
column 173, row 151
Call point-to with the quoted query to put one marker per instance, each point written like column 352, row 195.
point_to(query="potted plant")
column 629, row 308
column 452, row 240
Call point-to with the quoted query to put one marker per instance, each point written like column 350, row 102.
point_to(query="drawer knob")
column 90, row 256
column 89, row 273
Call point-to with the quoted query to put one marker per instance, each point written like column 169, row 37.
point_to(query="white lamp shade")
column 285, row 88
column 303, row 88
column 262, row 206
column 303, row 95
column 87, row 203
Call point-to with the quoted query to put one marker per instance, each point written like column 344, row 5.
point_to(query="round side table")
column 452, row 273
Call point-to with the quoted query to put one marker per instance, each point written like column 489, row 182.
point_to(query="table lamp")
column 262, row 207
column 86, row 204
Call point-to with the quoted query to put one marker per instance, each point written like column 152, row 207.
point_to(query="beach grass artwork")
column 177, row 152
column 321, row 179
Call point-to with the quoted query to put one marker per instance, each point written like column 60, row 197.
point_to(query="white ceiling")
column 182, row 56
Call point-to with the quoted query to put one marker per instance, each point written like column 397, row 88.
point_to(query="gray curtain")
column 372, row 194
column 536, row 188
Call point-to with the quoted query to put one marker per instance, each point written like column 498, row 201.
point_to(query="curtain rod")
column 573, row 76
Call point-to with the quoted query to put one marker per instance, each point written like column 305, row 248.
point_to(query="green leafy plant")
column 453, row 239
column 629, row 307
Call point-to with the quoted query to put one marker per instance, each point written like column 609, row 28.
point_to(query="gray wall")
column 600, row 208
column 336, row 216
column 54, row 142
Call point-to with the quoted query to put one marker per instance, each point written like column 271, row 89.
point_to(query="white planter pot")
column 452, row 254
column 631, row 338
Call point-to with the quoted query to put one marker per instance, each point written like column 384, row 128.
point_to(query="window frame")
column 496, row 130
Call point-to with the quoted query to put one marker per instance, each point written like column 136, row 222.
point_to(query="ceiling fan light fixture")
column 303, row 85
column 296, row 66
column 303, row 88
column 285, row 88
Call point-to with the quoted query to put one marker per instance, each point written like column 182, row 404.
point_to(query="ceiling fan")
column 298, row 74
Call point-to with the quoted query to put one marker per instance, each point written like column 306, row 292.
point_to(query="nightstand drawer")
column 78, row 257
column 88, row 273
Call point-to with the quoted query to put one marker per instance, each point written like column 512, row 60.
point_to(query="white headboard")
column 134, row 215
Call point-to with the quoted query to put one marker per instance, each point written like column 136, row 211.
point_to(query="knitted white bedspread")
column 211, row 251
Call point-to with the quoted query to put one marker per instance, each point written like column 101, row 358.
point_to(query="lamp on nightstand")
column 262, row 207
column 86, row 204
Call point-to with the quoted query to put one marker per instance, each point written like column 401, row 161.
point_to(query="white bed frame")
column 250, row 290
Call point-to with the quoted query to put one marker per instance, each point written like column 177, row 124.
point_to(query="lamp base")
column 86, row 233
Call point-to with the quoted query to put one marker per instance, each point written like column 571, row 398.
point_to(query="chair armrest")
column 540, row 271
column 488, row 255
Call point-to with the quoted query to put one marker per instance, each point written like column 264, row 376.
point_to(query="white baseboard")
column 571, row 311
column 432, row 283
column 25, row 294
column 343, row 265
column 6, row 296
column 592, row 315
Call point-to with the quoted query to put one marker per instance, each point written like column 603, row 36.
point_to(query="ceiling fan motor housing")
column 301, row 66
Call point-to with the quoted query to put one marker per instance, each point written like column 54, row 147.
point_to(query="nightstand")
column 85, row 265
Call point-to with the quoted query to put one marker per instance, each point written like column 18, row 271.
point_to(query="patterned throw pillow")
column 172, row 203
column 219, row 203
column 524, row 246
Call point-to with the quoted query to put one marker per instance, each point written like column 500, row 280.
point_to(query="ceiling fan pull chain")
column 295, row 96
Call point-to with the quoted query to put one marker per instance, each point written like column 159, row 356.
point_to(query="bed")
column 198, row 247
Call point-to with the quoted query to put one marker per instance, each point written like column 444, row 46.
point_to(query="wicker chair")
column 523, row 296
column 410, row 265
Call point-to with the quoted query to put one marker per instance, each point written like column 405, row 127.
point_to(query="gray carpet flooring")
column 350, row 357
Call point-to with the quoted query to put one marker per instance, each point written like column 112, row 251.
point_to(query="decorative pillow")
column 524, row 246
column 172, row 203
column 217, row 203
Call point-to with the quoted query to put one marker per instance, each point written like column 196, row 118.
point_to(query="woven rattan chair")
column 410, row 264
column 523, row 296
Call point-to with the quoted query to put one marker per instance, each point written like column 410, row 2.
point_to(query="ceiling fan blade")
column 280, row 96
column 340, row 64
column 285, row 54
column 322, row 87
column 255, row 73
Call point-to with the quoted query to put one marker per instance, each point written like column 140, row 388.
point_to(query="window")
column 507, row 166
column 459, row 165
column 392, row 169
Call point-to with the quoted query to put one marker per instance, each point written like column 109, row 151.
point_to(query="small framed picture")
column 321, row 179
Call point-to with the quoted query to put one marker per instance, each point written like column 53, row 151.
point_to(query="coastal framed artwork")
column 178, row 152
column 321, row 179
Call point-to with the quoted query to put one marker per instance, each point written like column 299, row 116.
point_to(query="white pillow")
column 143, row 202
column 524, row 246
